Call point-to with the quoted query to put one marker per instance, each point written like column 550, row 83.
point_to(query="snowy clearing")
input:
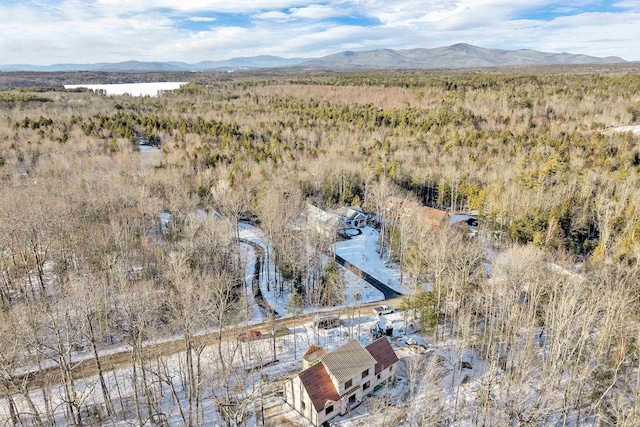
column 361, row 251
column 358, row 291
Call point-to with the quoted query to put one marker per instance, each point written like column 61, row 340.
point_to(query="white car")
column 383, row 309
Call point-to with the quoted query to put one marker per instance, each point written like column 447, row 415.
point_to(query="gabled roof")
column 319, row 386
column 348, row 361
column 344, row 363
column 351, row 212
column 383, row 353
column 431, row 216
column 312, row 349
column 314, row 353
column 322, row 218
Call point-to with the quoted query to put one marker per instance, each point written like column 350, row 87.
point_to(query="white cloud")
column 273, row 15
column 320, row 11
column 628, row 4
column 118, row 30
column 218, row 6
column 201, row 19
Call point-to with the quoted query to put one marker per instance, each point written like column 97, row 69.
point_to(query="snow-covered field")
column 361, row 251
column 133, row 89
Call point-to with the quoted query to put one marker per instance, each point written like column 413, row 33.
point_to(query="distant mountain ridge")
column 262, row 61
column 461, row 55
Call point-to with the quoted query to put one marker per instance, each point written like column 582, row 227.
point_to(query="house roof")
column 344, row 363
column 319, row 386
column 348, row 361
column 351, row 212
column 314, row 353
column 430, row 216
column 383, row 353
column 433, row 216
column 322, row 218
column 312, row 349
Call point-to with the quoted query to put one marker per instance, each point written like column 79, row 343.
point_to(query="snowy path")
column 357, row 290
column 255, row 290
column 249, row 254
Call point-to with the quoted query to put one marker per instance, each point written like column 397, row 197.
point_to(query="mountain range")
column 459, row 55
column 263, row 61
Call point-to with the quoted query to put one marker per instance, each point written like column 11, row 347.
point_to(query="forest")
column 545, row 294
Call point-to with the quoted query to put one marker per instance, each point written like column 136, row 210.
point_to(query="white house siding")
column 295, row 391
column 295, row 394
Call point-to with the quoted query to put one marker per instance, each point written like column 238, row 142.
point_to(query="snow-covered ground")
column 635, row 129
column 456, row 218
column 248, row 253
column 357, row 290
column 362, row 252
column 133, row 89
column 449, row 376
column 165, row 373
column 355, row 322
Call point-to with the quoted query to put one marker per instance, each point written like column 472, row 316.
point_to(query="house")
column 352, row 217
column 431, row 217
column 334, row 382
column 323, row 222
column 330, row 223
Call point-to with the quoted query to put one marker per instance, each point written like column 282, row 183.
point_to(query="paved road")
column 386, row 290
column 86, row 367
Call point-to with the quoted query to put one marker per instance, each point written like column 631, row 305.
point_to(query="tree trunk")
column 103, row 384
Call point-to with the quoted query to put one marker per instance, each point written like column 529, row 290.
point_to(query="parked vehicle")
column 250, row 335
column 327, row 322
column 383, row 309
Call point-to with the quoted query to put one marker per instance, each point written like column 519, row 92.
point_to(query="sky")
column 43, row 32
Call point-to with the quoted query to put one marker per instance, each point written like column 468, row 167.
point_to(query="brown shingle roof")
column 383, row 353
column 433, row 217
column 319, row 386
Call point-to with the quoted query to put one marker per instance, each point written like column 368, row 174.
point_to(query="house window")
column 303, row 405
column 366, row 385
column 352, row 399
column 365, row 373
column 329, row 409
column 348, row 384
column 378, row 376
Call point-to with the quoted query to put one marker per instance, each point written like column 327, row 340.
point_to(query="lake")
column 133, row 89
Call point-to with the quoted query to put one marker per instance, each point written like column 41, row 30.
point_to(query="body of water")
column 133, row 89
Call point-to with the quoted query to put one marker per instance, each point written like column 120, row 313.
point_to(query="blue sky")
column 85, row 31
